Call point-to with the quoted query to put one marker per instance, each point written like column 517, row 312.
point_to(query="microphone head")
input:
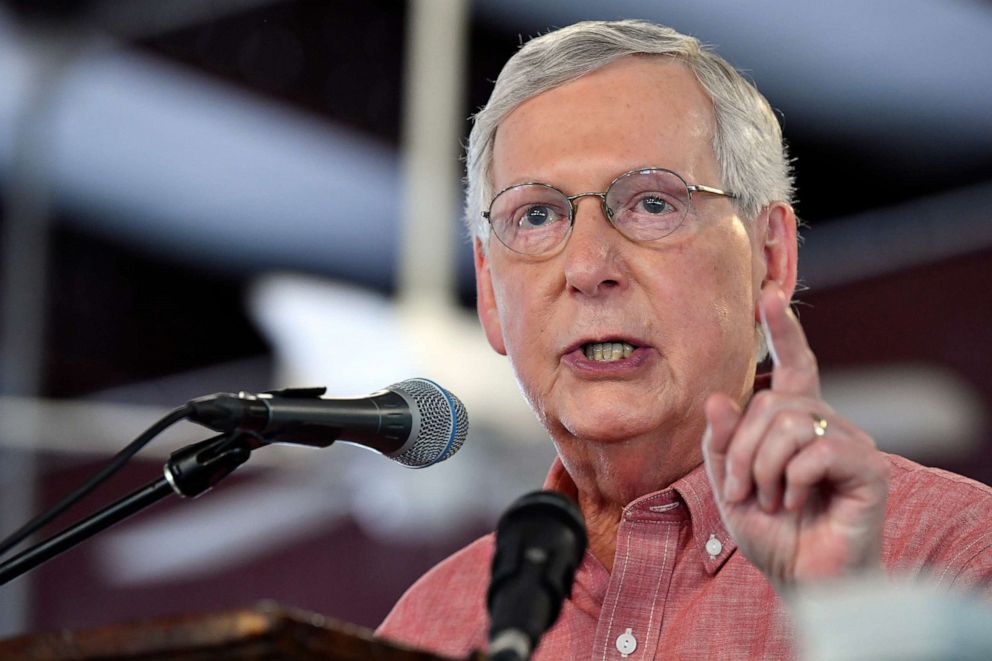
column 540, row 542
column 440, row 423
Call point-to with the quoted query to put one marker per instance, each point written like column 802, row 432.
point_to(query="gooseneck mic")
column 540, row 540
column 416, row 423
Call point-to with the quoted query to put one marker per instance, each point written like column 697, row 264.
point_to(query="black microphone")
column 540, row 540
column 416, row 423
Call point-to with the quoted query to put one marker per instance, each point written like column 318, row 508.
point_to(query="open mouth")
column 605, row 352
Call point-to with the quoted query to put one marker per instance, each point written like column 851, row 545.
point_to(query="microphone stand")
column 189, row 472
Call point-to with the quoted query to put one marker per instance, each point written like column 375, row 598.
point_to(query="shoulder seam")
column 917, row 470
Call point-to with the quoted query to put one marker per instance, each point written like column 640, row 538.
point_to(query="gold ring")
column 819, row 425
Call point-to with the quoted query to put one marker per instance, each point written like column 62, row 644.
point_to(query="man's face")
column 685, row 303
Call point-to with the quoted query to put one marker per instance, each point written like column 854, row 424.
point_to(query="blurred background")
column 249, row 194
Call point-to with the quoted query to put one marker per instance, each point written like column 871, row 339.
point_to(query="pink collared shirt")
column 679, row 590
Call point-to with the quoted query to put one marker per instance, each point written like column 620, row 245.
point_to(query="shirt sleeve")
column 975, row 575
column 937, row 527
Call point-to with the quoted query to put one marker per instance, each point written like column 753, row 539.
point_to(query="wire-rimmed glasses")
column 644, row 205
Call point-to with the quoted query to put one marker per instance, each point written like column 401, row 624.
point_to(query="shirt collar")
column 709, row 536
column 708, row 533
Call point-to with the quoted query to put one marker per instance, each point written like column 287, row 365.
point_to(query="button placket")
column 648, row 540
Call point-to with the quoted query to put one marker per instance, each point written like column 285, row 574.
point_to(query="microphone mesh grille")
column 443, row 423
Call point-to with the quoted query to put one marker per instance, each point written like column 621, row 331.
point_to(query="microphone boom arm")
column 189, row 472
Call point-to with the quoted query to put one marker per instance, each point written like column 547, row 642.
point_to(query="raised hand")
column 801, row 489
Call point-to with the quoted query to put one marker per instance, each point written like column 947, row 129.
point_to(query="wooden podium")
column 267, row 631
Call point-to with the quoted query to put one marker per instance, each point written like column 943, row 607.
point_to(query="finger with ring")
column 819, row 425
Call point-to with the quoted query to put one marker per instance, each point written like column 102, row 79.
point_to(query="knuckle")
column 794, row 423
column 795, row 473
column 762, row 401
column 826, row 451
column 738, row 457
column 815, row 458
column 760, row 465
column 806, row 373
column 765, row 470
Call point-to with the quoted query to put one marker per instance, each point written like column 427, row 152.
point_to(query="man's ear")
column 485, row 300
column 778, row 243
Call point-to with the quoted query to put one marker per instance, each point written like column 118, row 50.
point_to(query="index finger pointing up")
column 795, row 368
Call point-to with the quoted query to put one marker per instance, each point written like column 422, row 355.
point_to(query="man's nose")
column 593, row 261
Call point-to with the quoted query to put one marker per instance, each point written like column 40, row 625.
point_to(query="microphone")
column 416, row 423
column 540, row 540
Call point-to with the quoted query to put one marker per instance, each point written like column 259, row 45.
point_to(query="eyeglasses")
column 643, row 205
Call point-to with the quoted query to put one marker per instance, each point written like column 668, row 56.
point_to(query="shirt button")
column 626, row 643
column 713, row 547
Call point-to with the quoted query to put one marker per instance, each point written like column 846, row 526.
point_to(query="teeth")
column 607, row 351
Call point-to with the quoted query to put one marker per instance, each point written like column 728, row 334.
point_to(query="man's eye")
column 538, row 215
column 653, row 204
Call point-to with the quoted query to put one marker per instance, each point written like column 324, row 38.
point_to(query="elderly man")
column 635, row 252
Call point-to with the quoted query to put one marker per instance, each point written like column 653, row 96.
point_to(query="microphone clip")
column 193, row 470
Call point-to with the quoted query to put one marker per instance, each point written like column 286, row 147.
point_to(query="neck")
column 609, row 476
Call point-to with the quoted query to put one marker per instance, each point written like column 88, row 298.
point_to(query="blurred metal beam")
column 24, row 279
column 888, row 240
column 432, row 126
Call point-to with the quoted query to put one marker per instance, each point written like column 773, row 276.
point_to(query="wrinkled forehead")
column 634, row 112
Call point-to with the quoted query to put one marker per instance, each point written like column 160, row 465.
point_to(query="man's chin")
column 608, row 426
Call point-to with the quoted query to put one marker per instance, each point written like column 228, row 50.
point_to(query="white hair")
column 747, row 140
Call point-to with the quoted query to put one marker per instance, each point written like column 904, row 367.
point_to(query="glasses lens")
column 531, row 219
column 648, row 204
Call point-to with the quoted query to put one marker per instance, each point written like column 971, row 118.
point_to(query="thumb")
column 722, row 416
